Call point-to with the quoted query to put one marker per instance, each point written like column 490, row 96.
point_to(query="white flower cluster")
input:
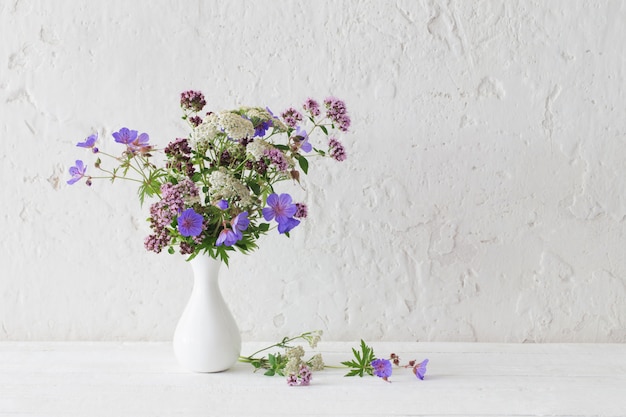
column 294, row 361
column 265, row 115
column 225, row 186
column 204, row 134
column 313, row 337
column 257, row 148
column 235, row 126
column 294, row 356
column 317, row 363
column 257, row 113
column 279, row 125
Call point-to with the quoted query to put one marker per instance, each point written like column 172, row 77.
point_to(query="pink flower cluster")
column 337, row 112
column 277, row 158
column 163, row 212
column 312, row 107
column 337, row 151
column 179, row 157
column 303, row 377
column 192, row 101
column 291, row 117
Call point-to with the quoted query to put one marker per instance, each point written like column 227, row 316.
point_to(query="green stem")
column 282, row 343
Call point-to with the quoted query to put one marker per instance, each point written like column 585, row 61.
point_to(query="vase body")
column 206, row 338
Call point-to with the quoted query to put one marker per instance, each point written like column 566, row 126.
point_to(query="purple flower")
column 292, row 380
column 302, row 211
column 165, row 210
column 302, row 378
column 89, row 143
column 305, row 375
column 312, row 107
column 336, row 150
column 238, row 224
column 192, row 100
column 125, row 136
column 227, row 237
column 282, row 209
column 222, row 204
column 156, row 243
column 277, row 158
column 190, row 223
column 291, row 117
column 77, row 172
column 336, row 111
column 382, row 368
column 140, row 144
column 262, row 127
column 420, row 369
column 302, row 137
column 195, row 121
column 287, row 225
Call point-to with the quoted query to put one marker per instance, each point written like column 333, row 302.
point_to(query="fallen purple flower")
column 382, row 368
column 420, row 369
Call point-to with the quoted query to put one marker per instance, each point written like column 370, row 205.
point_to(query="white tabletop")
column 463, row 379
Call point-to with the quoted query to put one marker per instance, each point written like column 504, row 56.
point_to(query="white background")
column 482, row 198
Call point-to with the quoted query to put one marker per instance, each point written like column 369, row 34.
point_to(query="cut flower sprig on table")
column 215, row 189
column 291, row 363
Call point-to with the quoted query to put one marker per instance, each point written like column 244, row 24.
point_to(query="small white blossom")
column 314, row 337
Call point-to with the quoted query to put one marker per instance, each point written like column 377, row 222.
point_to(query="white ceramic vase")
column 207, row 338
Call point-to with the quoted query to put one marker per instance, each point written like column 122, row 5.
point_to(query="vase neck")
column 205, row 270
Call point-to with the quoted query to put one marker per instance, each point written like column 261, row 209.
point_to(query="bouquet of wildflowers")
column 215, row 189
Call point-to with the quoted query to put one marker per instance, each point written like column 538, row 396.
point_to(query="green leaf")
column 363, row 361
column 304, row 164
column 256, row 188
column 270, row 372
column 272, row 359
column 324, row 130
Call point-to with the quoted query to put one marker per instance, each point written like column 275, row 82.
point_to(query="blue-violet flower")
column 190, row 223
column 77, row 172
column 125, row 136
column 382, row 368
column 222, row 204
column 90, row 142
column 140, row 144
column 420, row 369
column 302, row 137
column 282, row 209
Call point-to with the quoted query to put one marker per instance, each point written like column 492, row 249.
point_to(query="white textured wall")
column 483, row 198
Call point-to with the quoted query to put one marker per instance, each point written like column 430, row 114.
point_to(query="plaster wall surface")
column 483, row 198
